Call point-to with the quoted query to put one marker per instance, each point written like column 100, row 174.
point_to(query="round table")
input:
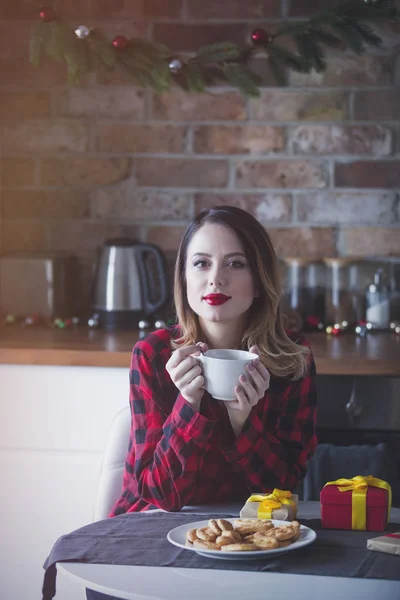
column 156, row 583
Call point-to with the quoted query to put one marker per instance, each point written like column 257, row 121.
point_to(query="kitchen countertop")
column 347, row 354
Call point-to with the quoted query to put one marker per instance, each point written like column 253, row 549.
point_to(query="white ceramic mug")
column 222, row 369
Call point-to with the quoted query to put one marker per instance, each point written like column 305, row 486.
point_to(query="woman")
column 186, row 447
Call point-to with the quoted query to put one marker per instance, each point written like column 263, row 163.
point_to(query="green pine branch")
column 147, row 62
column 193, row 76
column 289, row 59
column 217, row 53
column 37, row 42
column 349, row 36
column 238, row 76
column 102, row 48
column 276, row 68
column 325, row 37
column 310, row 49
column 161, row 77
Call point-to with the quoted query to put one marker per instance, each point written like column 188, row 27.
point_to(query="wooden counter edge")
column 63, row 357
column 101, row 358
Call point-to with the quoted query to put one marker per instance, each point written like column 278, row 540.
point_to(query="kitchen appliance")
column 344, row 292
column 304, row 289
column 42, row 284
column 358, row 425
column 378, row 301
column 130, row 283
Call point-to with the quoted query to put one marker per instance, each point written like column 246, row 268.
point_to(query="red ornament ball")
column 312, row 321
column 47, row 14
column 260, row 37
column 120, row 42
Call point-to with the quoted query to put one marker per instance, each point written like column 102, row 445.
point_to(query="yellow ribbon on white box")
column 359, row 486
column 270, row 502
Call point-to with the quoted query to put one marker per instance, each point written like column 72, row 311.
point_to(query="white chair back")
column 112, row 467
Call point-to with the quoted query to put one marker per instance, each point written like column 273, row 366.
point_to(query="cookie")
column 228, row 537
column 205, row 545
column 284, row 532
column 296, row 536
column 288, row 532
column 225, row 541
column 233, row 534
column 206, row 534
column 224, row 525
column 213, row 525
column 285, row 543
column 266, row 542
column 191, row 535
column 240, row 522
column 254, row 526
column 239, row 548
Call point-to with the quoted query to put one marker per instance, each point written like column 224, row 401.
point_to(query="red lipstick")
column 216, row 299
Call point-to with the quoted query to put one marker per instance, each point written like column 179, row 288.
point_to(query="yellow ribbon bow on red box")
column 270, row 502
column 359, row 486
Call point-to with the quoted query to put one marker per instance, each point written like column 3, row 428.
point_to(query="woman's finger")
column 194, row 386
column 183, row 367
column 254, row 350
column 203, row 346
column 231, row 404
column 242, row 398
column 251, row 392
column 261, row 369
column 187, row 377
column 179, row 355
column 259, row 382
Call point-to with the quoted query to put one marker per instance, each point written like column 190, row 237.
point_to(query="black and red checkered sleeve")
column 168, row 437
column 273, row 448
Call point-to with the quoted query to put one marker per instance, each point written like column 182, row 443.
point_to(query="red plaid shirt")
column 178, row 456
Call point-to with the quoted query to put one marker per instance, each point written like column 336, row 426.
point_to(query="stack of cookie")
column 244, row 535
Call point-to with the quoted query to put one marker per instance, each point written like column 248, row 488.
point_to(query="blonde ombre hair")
column 282, row 356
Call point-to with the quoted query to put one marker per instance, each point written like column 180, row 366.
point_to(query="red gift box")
column 336, row 508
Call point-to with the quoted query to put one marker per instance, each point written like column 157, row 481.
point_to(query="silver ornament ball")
column 175, row 65
column 82, row 32
column 395, row 327
column 94, row 321
column 361, row 330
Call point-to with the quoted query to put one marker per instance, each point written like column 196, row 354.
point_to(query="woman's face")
column 220, row 284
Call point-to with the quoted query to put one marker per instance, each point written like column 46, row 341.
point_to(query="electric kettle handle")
column 140, row 250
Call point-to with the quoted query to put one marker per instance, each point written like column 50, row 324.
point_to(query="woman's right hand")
column 186, row 373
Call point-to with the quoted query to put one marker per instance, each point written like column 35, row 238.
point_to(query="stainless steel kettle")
column 128, row 277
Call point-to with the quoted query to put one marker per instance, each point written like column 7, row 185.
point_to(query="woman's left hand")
column 251, row 388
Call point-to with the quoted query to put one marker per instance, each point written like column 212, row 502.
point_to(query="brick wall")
column 316, row 160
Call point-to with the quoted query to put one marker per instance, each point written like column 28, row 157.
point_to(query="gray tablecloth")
column 141, row 539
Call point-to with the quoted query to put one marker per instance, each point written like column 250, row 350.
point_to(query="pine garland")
column 152, row 65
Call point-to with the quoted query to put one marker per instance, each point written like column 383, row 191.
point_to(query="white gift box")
column 390, row 543
column 287, row 512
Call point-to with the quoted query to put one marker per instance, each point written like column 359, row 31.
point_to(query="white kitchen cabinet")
column 54, row 423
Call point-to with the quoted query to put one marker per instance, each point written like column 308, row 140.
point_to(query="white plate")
column 177, row 537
